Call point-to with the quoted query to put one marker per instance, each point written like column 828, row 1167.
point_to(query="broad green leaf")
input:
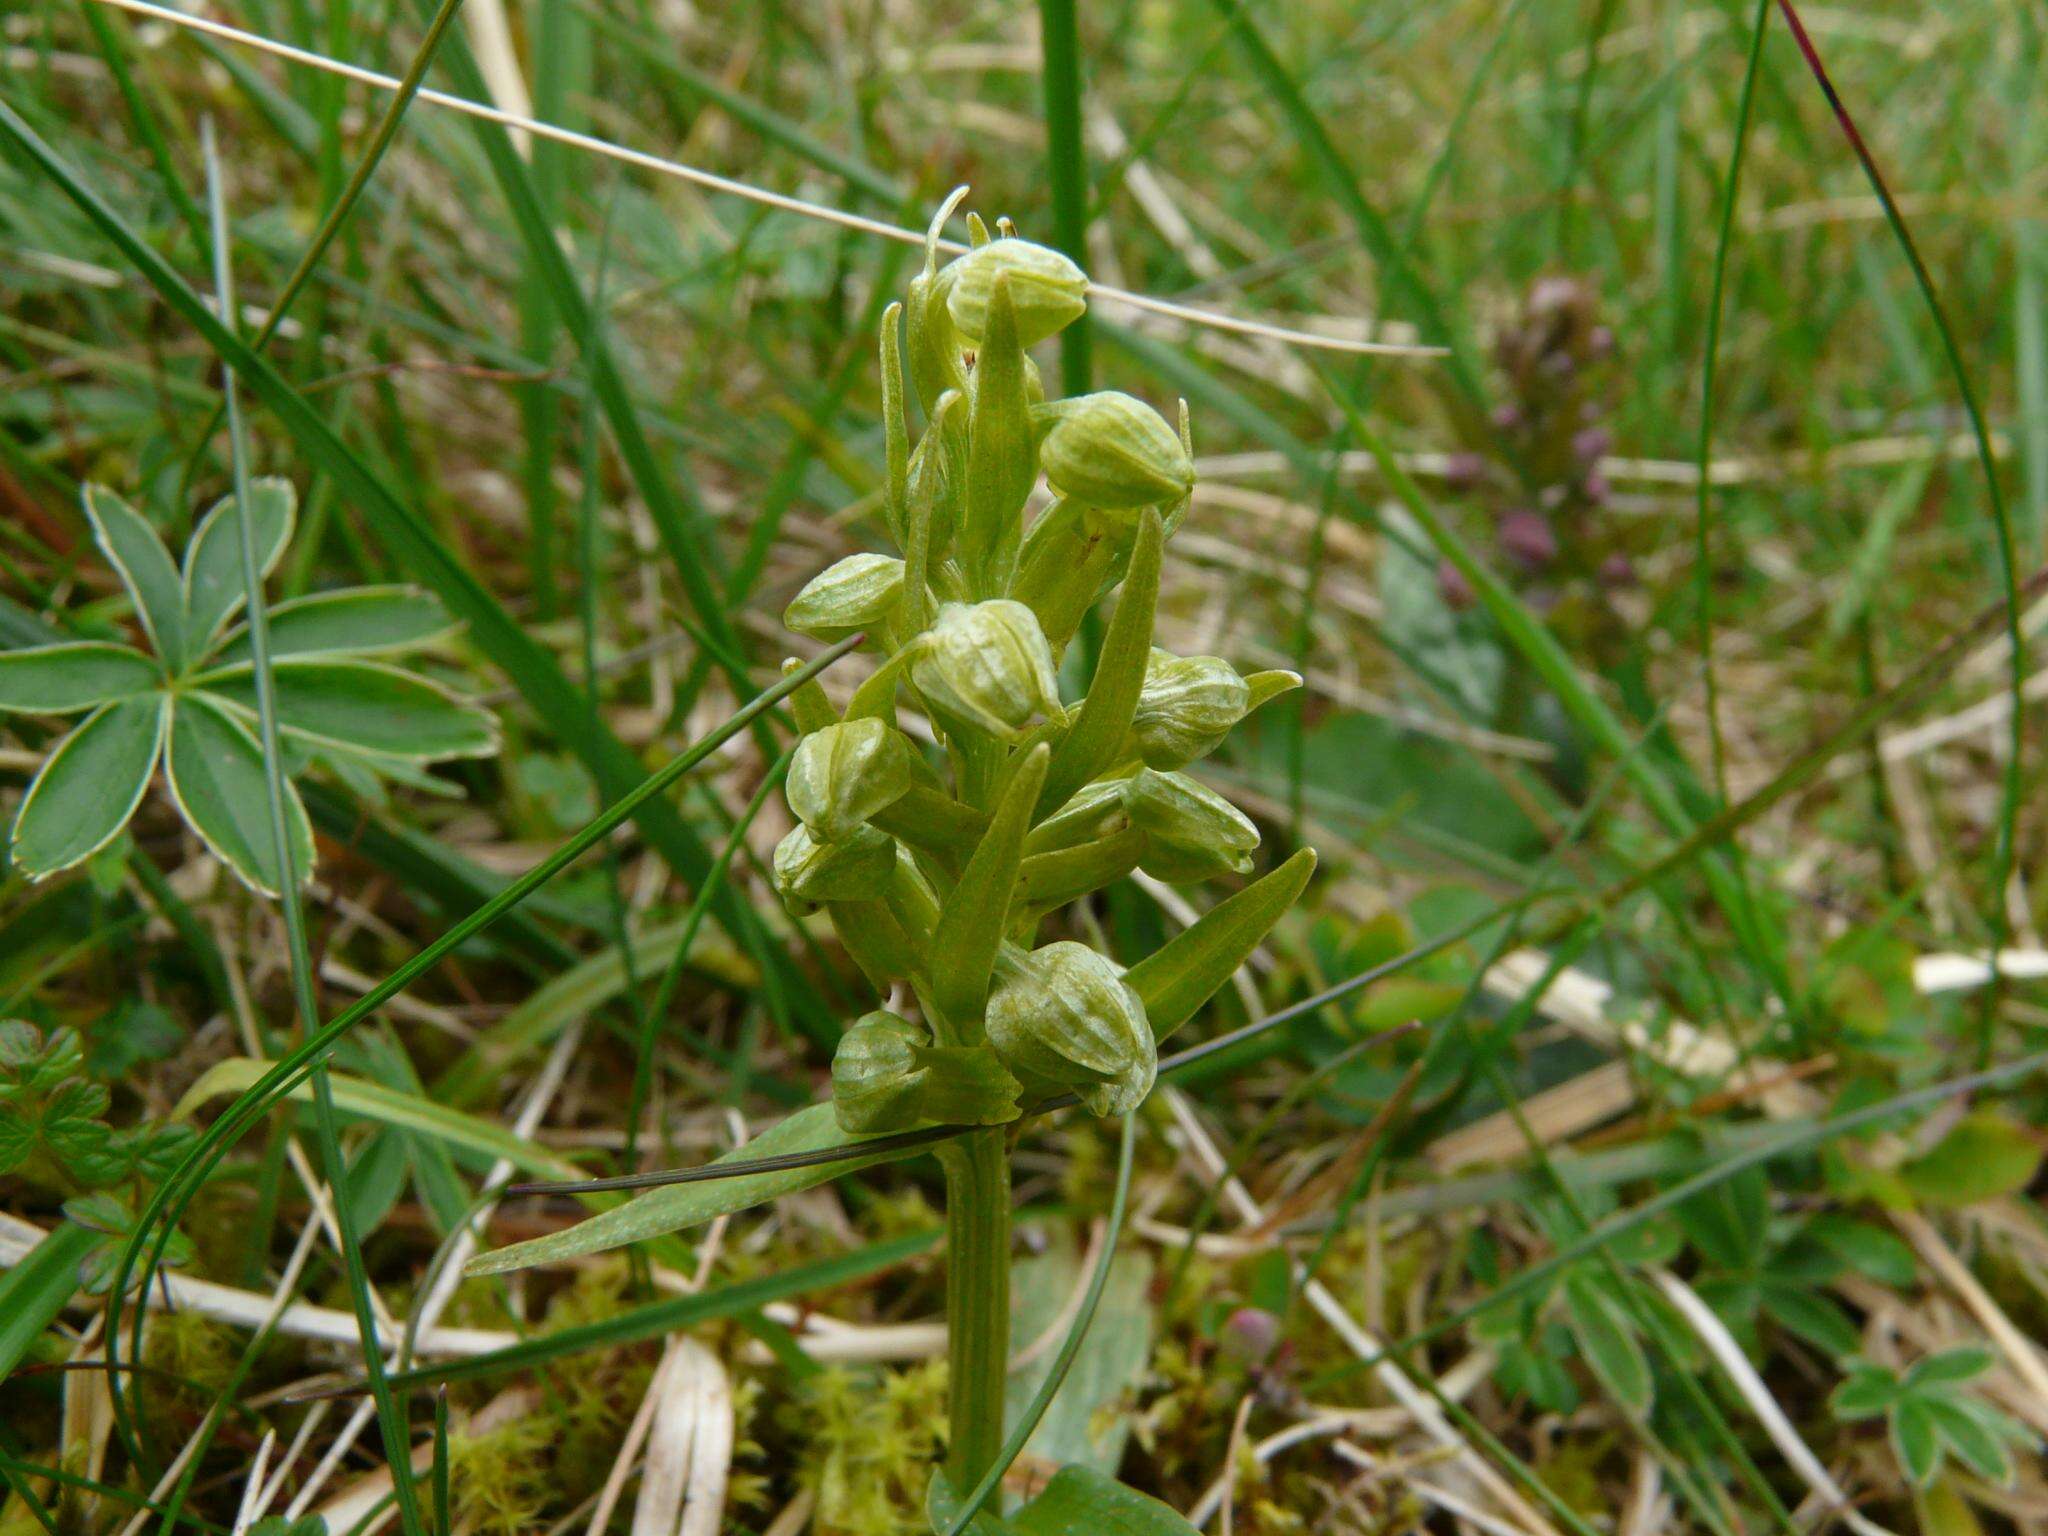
column 217, row 778
column 62, row 679
column 971, row 923
column 1973, row 1442
column 580, row 991
column 361, row 621
column 144, row 566
column 364, row 707
column 675, row 1206
column 1079, row 1501
column 89, row 787
column 1983, row 1157
column 1610, row 1347
column 214, row 589
column 1090, row 746
column 388, row 1106
column 1917, row 1440
column 1188, row 969
column 34, row 1292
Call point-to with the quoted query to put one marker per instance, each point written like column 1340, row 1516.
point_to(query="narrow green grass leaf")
column 34, row 1292
column 676, row 1206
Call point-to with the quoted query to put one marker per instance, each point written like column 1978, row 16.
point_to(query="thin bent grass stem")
column 726, row 185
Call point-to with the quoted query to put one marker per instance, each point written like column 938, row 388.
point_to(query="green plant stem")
column 977, row 1300
column 1060, row 64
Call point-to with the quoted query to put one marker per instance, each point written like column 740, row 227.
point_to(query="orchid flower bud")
column 856, row 868
column 987, row 665
column 1064, row 1015
column 859, row 592
column 888, row 1076
column 1194, row 833
column 876, row 1082
column 1113, row 451
column 845, row 773
column 1048, row 290
column 1186, row 707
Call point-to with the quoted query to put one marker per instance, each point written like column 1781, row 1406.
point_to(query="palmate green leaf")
column 63, row 679
column 218, row 781
column 1090, row 746
column 971, row 923
column 675, row 1206
column 363, row 707
column 358, row 621
column 1189, row 968
column 374, row 1101
column 1811, row 1314
column 530, row 666
column 89, row 787
column 214, row 590
column 144, row 566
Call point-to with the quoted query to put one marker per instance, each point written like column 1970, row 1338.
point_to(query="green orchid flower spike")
column 940, row 871
column 185, row 701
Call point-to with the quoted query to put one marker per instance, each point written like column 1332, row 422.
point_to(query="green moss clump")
column 870, row 1438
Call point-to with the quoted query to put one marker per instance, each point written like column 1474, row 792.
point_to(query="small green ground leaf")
column 90, row 786
column 217, row 777
column 366, row 708
column 1080, row 1501
column 675, row 1206
column 214, row 589
column 138, row 556
column 62, row 679
column 361, row 621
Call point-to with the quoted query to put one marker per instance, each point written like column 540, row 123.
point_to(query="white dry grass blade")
column 689, row 1446
column 252, row 1309
column 247, row 1513
column 1750, row 1387
column 520, row 122
column 1958, row 973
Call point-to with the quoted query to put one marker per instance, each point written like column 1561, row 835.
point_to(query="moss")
column 869, row 1440
column 500, row 1483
